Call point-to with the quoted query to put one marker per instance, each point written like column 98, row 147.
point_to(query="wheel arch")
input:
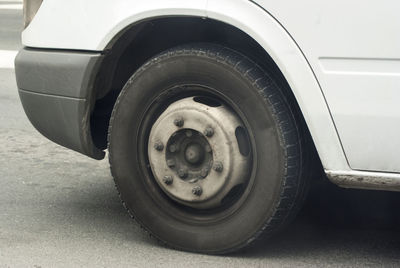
column 274, row 46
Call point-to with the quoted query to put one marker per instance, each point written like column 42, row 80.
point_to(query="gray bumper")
column 56, row 92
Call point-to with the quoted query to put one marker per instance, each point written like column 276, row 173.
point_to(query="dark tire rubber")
column 277, row 182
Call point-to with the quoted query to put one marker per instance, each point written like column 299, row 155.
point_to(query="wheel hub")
column 188, row 156
column 194, row 153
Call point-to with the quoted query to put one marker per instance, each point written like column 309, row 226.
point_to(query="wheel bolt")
column 168, row 179
column 218, row 166
column 208, row 148
column 209, row 131
column 204, row 172
column 197, row 190
column 171, row 163
column 189, row 133
column 182, row 173
column 158, row 145
column 178, row 121
column 173, row 148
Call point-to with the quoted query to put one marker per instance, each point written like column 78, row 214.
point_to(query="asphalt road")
column 60, row 209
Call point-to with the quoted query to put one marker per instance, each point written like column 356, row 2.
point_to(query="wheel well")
column 140, row 42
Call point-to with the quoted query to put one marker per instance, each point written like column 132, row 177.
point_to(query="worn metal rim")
column 197, row 153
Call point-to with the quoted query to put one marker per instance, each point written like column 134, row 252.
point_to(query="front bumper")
column 55, row 89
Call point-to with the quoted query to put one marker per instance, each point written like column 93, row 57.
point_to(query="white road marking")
column 11, row 6
column 7, row 58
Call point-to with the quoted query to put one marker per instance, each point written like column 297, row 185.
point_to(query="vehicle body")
column 340, row 62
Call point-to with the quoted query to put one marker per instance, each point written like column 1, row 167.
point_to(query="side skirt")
column 365, row 180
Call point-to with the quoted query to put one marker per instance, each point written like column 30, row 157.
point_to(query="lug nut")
column 208, row 148
column 189, row 133
column 168, row 179
column 209, row 131
column 178, row 121
column 197, row 190
column 171, row 163
column 182, row 173
column 204, row 172
column 218, row 166
column 158, row 145
column 173, row 148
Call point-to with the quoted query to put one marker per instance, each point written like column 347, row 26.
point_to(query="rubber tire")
column 279, row 170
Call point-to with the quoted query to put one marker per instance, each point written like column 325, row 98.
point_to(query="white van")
column 215, row 112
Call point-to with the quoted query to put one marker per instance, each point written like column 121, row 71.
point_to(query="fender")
column 91, row 26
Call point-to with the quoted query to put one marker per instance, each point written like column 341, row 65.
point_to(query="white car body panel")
column 91, row 24
column 354, row 50
column 342, row 65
